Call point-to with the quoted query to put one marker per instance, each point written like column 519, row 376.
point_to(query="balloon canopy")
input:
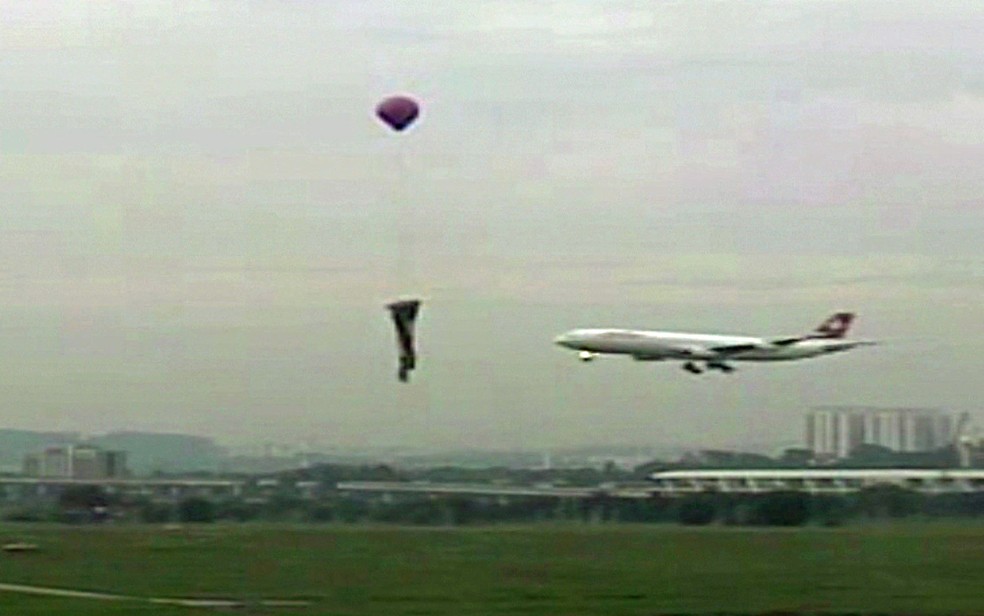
column 398, row 112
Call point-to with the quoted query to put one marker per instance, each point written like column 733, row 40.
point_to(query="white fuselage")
column 658, row 345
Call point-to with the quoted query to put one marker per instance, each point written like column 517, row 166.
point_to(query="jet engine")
column 696, row 352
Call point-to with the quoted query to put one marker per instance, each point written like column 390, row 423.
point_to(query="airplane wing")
column 715, row 352
column 781, row 342
column 698, row 352
column 733, row 349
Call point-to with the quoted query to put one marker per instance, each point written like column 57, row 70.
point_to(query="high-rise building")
column 113, row 464
column 32, row 465
column 835, row 431
column 76, row 462
column 85, row 463
column 56, row 462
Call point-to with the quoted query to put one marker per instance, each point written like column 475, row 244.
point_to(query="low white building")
column 815, row 481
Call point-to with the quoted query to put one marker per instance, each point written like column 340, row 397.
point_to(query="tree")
column 654, row 509
column 830, row 509
column 236, row 510
column 321, row 513
column 796, row 456
column 196, row 509
column 155, row 513
column 782, row 508
column 284, row 506
column 84, row 503
column 889, row 501
column 870, row 455
column 82, row 497
column 697, row 510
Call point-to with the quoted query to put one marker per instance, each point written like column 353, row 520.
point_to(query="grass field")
column 610, row 570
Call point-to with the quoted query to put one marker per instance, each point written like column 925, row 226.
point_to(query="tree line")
column 88, row 504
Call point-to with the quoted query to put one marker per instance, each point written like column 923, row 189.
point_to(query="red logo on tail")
column 835, row 326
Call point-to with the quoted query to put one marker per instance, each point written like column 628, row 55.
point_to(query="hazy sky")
column 200, row 219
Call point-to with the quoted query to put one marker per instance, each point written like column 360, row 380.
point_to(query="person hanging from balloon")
column 399, row 113
column 404, row 314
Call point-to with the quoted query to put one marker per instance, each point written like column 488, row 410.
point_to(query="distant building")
column 149, row 452
column 114, row 464
column 32, row 465
column 56, row 461
column 15, row 444
column 815, row 481
column 835, row 431
column 76, row 462
column 85, row 463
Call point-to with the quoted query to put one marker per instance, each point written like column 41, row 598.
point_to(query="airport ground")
column 612, row 569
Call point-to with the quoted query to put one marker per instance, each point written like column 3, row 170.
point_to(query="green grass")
column 544, row 569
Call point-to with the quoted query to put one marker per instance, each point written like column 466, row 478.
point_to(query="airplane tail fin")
column 835, row 326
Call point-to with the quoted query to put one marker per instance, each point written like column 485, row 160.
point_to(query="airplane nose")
column 563, row 339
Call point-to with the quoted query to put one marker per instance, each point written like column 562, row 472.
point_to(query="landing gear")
column 692, row 368
column 586, row 355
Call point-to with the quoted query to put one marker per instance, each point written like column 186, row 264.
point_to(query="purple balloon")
column 398, row 112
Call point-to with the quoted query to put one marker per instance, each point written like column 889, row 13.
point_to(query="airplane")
column 715, row 351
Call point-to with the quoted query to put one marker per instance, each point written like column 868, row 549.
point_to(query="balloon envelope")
column 398, row 112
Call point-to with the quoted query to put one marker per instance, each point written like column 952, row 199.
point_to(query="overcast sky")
column 200, row 219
